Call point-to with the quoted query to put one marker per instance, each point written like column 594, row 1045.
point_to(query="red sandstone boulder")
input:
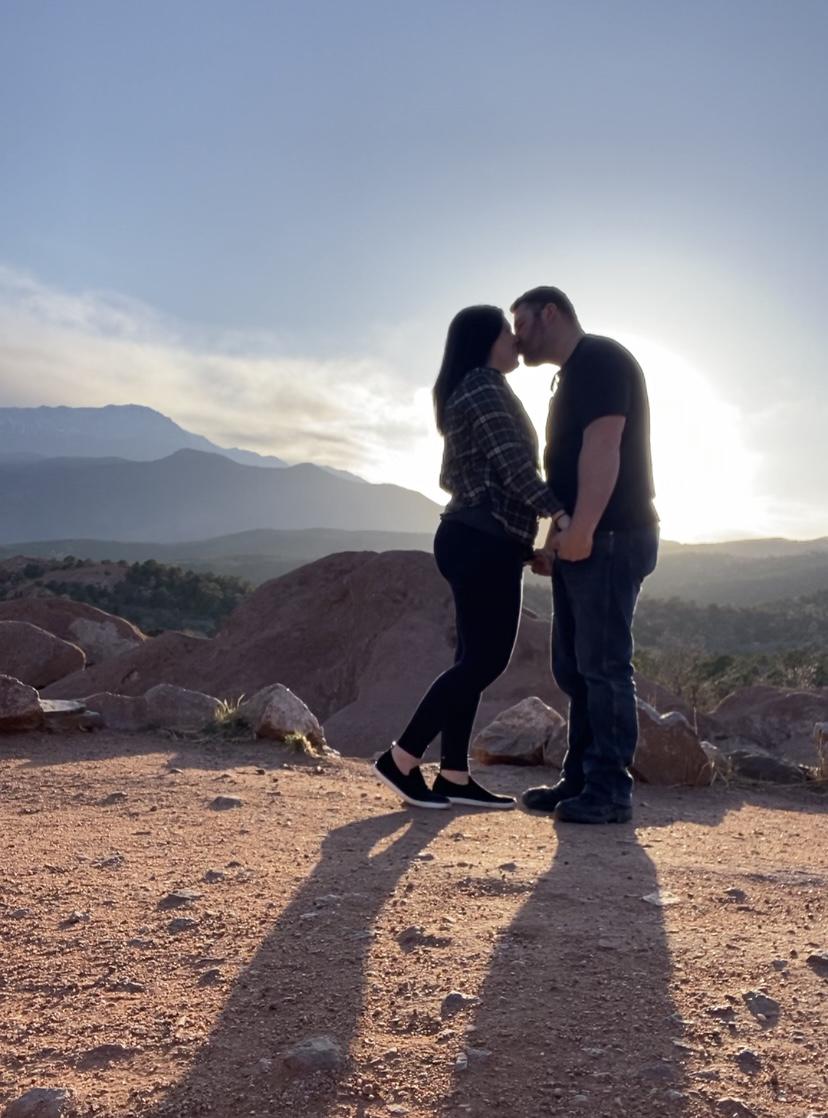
column 101, row 635
column 19, row 706
column 35, row 656
column 668, row 751
column 120, row 712
column 359, row 635
column 528, row 733
column 178, row 708
column 778, row 720
column 276, row 712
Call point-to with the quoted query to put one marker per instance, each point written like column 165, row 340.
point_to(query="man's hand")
column 573, row 544
column 541, row 563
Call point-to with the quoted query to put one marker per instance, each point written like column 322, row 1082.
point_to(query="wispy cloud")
column 97, row 348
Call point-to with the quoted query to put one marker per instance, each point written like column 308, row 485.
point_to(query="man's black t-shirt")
column 602, row 378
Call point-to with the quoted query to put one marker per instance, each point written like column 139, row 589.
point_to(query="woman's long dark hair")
column 471, row 335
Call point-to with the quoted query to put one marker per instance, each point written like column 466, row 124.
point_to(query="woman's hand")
column 541, row 563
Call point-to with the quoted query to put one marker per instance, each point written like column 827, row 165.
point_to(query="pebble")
column 734, row 1108
column 104, row 1054
column 182, row 924
column 114, row 798
column 456, row 1001
column 661, row 898
column 738, row 895
column 179, row 897
column 762, row 1007
column 211, row 877
column 748, row 1061
column 19, row 914
column 317, row 1053
column 818, row 962
column 40, row 1102
column 76, row 917
column 225, row 803
column 210, row 977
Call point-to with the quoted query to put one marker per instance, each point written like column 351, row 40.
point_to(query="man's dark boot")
column 588, row 808
column 547, row 799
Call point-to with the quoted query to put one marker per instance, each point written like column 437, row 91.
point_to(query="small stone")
column 455, row 1002
column 226, row 803
column 210, row 977
column 748, row 1061
column 19, row 914
column 104, row 1054
column 416, row 936
column 318, row 1053
column 179, row 898
column 182, row 924
column 114, row 798
column 397, row 1109
column 734, row 1108
column 737, row 895
column 662, row 898
column 762, row 1007
column 723, row 1012
column 128, row 986
column 40, row 1102
column 818, row 962
column 660, row 1073
column 478, row 1055
column 462, row 1062
column 211, row 877
column 779, row 964
column 76, row 917
column 508, row 867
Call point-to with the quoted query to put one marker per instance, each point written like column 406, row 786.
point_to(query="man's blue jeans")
column 593, row 604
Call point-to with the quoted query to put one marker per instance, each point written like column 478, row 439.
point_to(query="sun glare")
column 704, row 473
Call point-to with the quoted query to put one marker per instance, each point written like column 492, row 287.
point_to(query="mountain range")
column 190, row 495
column 129, row 431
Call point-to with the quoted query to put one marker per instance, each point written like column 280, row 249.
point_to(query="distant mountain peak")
column 132, row 431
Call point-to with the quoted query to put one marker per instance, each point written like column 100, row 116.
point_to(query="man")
column 597, row 460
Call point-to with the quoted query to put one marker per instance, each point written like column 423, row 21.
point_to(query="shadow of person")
column 305, row 981
column 575, row 1014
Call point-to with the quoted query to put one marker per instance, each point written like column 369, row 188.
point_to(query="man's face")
column 530, row 334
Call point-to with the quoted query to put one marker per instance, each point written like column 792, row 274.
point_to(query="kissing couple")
column 601, row 543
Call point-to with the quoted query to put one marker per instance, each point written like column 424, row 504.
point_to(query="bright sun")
column 704, row 473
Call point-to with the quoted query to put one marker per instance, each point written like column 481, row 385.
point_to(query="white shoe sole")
column 479, row 803
column 408, row 799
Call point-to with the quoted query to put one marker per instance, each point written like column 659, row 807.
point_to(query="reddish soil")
column 591, row 1001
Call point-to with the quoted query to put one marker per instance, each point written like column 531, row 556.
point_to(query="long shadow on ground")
column 576, row 1016
column 239, row 1070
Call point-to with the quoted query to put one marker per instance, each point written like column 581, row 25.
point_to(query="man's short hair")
column 540, row 297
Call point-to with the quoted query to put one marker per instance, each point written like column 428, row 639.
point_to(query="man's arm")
column 598, row 465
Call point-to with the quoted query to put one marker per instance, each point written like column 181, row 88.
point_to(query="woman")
column 485, row 536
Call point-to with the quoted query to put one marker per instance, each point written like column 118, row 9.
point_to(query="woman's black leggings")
column 485, row 573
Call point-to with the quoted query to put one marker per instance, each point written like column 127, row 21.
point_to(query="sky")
column 259, row 217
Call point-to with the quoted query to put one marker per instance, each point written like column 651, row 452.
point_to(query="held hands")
column 573, row 544
column 566, row 541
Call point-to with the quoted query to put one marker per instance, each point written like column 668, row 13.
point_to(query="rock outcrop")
column 19, row 706
column 780, row 721
column 358, row 635
column 36, row 656
column 101, row 635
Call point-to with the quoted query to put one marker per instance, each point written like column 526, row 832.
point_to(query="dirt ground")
column 320, row 908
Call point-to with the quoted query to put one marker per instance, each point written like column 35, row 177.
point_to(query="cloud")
column 97, row 348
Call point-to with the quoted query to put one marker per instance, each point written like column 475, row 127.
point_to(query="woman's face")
column 504, row 353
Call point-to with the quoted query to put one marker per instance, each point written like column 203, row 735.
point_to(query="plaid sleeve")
column 505, row 444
